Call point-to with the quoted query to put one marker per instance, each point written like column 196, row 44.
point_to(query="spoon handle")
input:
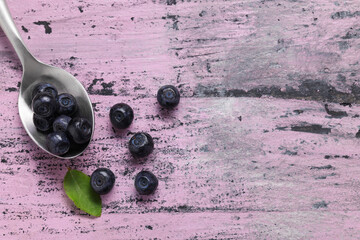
column 9, row 28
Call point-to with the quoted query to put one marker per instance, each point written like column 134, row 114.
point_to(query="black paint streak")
column 337, row 156
column 94, row 106
column 127, row 171
column 325, row 176
column 345, row 14
column 106, row 88
column 345, row 104
column 335, row 114
column 11, row 89
column 16, row 67
column 357, row 134
column 208, row 67
column 139, row 87
column 171, row 2
column 298, row 111
column 46, row 25
column 321, row 177
column 24, row 29
column 204, row 149
column 343, row 45
column 290, row 153
column 174, row 19
column 81, row 9
column 352, row 34
column 71, row 65
column 314, row 90
column 117, row 208
column 313, row 128
column 321, row 204
column 202, row 13
column 322, row 167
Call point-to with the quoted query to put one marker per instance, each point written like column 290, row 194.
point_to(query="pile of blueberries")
column 140, row 145
column 56, row 115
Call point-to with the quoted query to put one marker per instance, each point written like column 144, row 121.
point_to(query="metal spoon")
column 34, row 72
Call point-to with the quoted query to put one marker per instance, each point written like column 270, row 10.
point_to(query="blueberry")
column 44, row 87
column 80, row 130
column 141, row 144
column 58, row 143
column 121, row 115
column 168, row 96
column 44, row 105
column 61, row 123
column 102, row 180
column 145, row 183
column 42, row 124
column 67, row 104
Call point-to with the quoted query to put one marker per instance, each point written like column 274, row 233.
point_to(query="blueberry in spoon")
column 44, row 105
column 44, row 87
column 58, row 143
column 80, row 130
column 61, row 123
column 67, row 104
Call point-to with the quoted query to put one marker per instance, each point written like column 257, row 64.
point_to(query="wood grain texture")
column 263, row 145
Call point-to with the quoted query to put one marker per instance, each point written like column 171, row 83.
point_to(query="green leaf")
column 78, row 189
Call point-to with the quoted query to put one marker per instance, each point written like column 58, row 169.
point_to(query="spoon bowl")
column 35, row 72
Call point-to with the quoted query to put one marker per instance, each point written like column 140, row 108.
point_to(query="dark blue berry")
column 44, row 87
column 42, row 124
column 168, row 96
column 141, row 144
column 67, row 104
column 44, row 105
column 121, row 115
column 102, row 180
column 57, row 143
column 145, row 183
column 80, row 130
column 61, row 123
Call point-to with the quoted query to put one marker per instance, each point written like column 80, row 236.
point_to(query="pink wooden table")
column 250, row 153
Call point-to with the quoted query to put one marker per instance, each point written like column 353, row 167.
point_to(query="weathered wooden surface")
column 251, row 152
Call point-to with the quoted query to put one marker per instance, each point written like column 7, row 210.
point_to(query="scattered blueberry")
column 44, row 104
column 145, row 183
column 57, row 143
column 168, row 96
column 121, row 115
column 67, row 104
column 61, row 123
column 42, row 124
column 102, row 180
column 44, row 87
column 80, row 130
column 141, row 144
